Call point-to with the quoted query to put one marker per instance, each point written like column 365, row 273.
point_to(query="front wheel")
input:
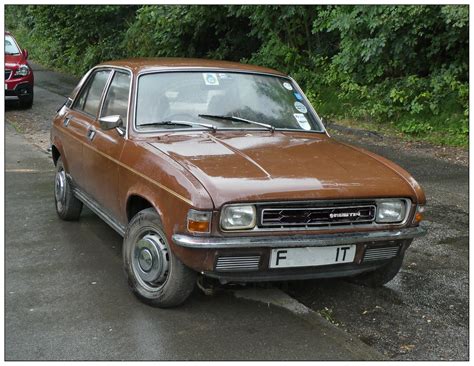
column 381, row 275
column 26, row 102
column 155, row 275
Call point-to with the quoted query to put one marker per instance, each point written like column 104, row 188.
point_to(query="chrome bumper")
column 281, row 241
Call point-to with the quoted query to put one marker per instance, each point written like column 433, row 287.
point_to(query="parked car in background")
column 19, row 77
column 225, row 171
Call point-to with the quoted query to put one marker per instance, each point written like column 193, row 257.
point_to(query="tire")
column 26, row 102
column 155, row 275
column 68, row 207
column 381, row 275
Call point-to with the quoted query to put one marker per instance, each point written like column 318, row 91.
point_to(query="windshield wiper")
column 179, row 123
column 238, row 119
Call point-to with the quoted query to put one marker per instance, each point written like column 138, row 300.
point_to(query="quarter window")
column 89, row 99
column 116, row 101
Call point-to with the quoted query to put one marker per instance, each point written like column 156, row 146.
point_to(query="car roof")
column 138, row 65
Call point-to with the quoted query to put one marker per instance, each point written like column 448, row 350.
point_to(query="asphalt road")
column 422, row 314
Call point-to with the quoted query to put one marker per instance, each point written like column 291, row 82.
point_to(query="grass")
column 447, row 128
column 327, row 314
column 15, row 125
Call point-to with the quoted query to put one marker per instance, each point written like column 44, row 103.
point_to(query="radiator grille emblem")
column 344, row 214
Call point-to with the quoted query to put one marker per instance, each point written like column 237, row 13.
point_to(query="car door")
column 103, row 156
column 77, row 122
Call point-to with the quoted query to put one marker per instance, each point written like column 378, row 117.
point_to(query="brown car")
column 225, row 170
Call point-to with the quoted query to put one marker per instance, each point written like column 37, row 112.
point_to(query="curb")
column 275, row 297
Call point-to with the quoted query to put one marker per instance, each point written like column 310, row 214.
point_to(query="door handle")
column 91, row 133
column 66, row 121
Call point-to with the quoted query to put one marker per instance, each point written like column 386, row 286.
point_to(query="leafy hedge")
column 405, row 66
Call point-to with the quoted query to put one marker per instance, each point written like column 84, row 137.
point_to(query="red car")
column 19, row 78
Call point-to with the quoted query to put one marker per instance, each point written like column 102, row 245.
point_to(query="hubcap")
column 145, row 260
column 150, row 259
column 60, row 186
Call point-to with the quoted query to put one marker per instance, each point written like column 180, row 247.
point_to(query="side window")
column 89, row 99
column 116, row 101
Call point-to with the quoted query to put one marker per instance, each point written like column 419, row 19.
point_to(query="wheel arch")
column 172, row 212
column 58, row 152
column 136, row 203
column 55, row 154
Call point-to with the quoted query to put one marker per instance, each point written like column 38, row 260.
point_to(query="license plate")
column 311, row 256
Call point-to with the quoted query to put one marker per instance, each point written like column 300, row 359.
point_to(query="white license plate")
column 311, row 256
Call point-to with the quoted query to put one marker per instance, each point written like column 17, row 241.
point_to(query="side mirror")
column 110, row 122
column 25, row 53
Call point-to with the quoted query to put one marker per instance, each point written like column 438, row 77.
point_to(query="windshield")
column 10, row 46
column 203, row 96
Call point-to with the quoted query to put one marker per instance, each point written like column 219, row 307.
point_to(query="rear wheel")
column 381, row 275
column 155, row 275
column 68, row 206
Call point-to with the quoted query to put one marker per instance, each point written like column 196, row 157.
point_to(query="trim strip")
column 295, row 241
column 177, row 195
column 89, row 202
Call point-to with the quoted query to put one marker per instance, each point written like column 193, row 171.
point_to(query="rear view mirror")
column 110, row 122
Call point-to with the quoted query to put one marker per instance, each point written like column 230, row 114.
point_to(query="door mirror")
column 25, row 54
column 110, row 122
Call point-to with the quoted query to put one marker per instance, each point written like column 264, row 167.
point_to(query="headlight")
column 238, row 217
column 390, row 210
column 23, row 70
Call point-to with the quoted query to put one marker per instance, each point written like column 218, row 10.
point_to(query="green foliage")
column 189, row 31
column 414, row 127
column 70, row 37
column 404, row 66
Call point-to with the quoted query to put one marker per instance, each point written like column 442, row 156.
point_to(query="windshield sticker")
column 225, row 76
column 210, row 79
column 298, row 96
column 302, row 121
column 171, row 94
column 287, row 86
column 300, row 107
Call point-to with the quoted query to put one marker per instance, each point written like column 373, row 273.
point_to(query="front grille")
column 378, row 254
column 7, row 74
column 317, row 216
column 243, row 263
